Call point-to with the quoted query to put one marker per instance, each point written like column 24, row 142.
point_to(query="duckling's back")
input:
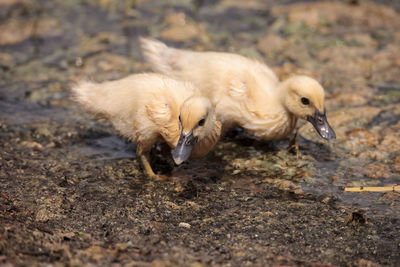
column 212, row 72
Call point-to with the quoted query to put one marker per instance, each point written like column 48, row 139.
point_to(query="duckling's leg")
column 144, row 156
column 294, row 144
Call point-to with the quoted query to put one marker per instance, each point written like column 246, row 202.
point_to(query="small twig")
column 5, row 196
column 395, row 188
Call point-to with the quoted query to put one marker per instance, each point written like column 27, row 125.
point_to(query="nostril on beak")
column 191, row 142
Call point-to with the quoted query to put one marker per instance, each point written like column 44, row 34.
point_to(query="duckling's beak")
column 321, row 124
column 184, row 148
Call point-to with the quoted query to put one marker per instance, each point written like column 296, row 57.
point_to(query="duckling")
column 245, row 92
column 151, row 108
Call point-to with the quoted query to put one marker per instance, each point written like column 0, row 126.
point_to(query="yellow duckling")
column 245, row 92
column 152, row 108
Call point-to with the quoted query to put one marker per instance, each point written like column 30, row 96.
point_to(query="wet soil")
column 73, row 193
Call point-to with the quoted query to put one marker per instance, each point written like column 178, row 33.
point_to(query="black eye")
column 305, row 101
column 201, row 122
column 180, row 118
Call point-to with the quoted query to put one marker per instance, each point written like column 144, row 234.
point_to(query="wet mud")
column 72, row 190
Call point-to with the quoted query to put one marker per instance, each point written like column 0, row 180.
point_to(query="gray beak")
column 184, row 147
column 322, row 126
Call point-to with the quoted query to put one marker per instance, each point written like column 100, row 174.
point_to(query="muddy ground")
column 72, row 191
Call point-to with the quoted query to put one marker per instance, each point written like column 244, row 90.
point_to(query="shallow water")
column 352, row 50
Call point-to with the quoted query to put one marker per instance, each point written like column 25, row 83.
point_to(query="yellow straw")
column 394, row 188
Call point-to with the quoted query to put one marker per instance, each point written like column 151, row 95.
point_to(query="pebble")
column 184, row 225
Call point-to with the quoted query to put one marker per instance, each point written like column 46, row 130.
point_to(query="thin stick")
column 4, row 195
column 394, row 188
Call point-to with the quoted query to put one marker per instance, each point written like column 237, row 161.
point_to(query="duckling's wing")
column 237, row 89
column 159, row 111
column 164, row 114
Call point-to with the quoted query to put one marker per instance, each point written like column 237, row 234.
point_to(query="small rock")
column 179, row 188
column 351, row 99
column 271, row 43
column 68, row 236
column 391, row 142
column 235, row 172
column 266, row 213
column 375, row 155
column 360, row 137
column 43, row 215
column 15, row 31
column 180, row 28
column 172, row 205
column 178, row 18
column 391, row 196
column 377, row 170
column 33, row 145
column 7, row 60
column 193, row 205
column 328, row 198
column 184, row 225
column 355, row 218
column 285, row 185
column 181, row 33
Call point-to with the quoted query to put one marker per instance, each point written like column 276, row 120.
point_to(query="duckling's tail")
column 158, row 54
column 89, row 95
column 82, row 92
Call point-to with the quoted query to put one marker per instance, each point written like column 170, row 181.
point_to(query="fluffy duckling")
column 245, row 92
column 152, row 108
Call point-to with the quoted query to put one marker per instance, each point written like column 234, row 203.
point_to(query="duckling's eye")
column 180, row 118
column 305, row 101
column 201, row 122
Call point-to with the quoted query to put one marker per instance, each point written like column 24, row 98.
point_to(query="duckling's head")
column 196, row 121
column 304, row 97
